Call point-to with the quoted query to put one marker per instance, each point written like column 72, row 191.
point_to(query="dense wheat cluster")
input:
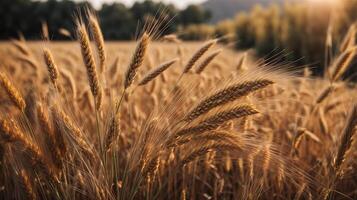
column 171, row 120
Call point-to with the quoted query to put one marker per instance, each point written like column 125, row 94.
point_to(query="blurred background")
column 297, row 27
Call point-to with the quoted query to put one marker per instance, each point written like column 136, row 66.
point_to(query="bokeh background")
column 297, row 29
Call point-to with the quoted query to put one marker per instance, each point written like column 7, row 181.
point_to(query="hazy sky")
column 178, row 3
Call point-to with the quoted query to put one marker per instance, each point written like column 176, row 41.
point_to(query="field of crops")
column 171, row 120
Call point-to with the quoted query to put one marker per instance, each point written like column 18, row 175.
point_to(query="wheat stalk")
column 98, row 39
column 342, row 63
column 89, row 62
column 51, row 66
column 156, row 72
column 218, row 119
column 207, row 61
column 226, row 95
column 12, row 92
column 198, row 54
column 137, row 59
column 21, row 46
column 349, row 39
column 112, row 132
column 346, row 139
column 324, row 94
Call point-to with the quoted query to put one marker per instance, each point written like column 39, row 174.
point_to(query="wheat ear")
column 342, row 63
column 21, row 47
column 218, row 119
column 198, row 54
column 137, row 59
column 226, row 95
column 344, row 147
column 156, row 72
column 324, row 94
column 51, row 66
column 349, row 39
column 112, row 132
column 12, row 92
column 207, row 61
column 98, row 39
column 346, row 139
column 89, row 62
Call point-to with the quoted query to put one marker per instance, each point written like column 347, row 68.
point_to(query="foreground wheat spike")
column 88, row 59
column 27, row 185
column 98, row 39
column 207, row 61
column 51, row 66
column 346, row 139
column 156, row 72
column 137, row 59
column 218, row 119
column 10, row 133
column 342, row 63
column 12, row 92
column 226, row 95
column 198, row 54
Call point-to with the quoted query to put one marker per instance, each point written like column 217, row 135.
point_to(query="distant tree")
column 117, row 21
column 194, row 14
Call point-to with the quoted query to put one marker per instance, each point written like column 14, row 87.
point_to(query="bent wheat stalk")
column 156, row 72
column 207, row 61
column 226, row 95
column 218, row 119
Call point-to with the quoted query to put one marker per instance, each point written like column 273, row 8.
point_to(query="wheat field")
column 151, row 119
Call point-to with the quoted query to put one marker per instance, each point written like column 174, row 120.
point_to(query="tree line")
column 118, row 21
